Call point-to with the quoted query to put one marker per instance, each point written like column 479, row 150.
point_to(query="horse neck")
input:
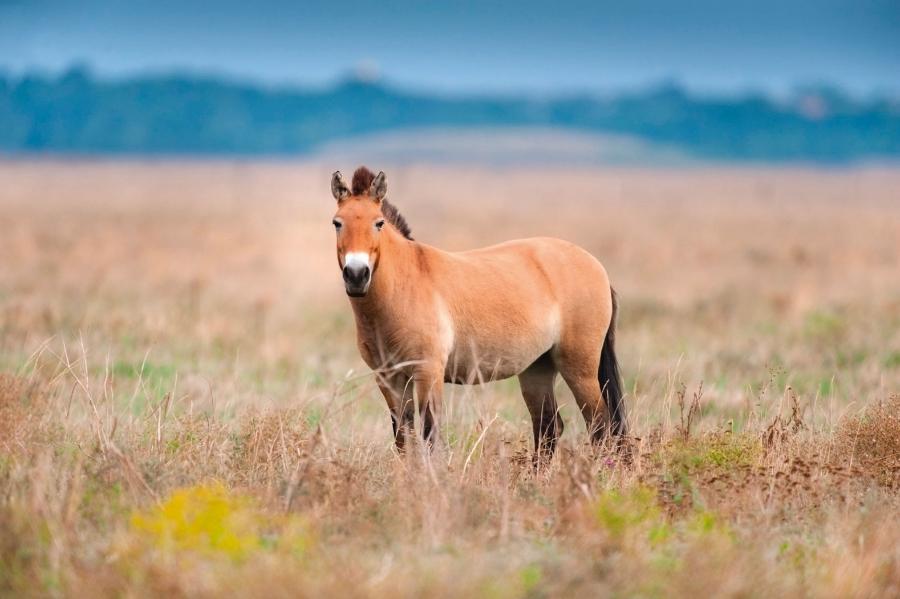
column 394, row 281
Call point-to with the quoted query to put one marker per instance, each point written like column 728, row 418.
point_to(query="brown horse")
column 532, row 308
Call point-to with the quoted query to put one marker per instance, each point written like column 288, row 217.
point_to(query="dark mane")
column 362, row 180
column 393, row 216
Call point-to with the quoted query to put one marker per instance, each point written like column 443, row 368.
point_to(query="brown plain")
column 164, row 325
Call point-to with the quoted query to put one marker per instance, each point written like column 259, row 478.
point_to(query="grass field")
column 183, row 411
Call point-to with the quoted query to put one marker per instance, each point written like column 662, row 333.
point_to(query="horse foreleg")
column 428, row 388
column 397, row 393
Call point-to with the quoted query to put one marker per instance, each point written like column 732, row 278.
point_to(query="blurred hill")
column 500, row 146
column 191, row 115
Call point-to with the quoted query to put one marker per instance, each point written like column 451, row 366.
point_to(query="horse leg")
column 537, row 390
column 428, row 385
column 581, row 377
column 397, row 394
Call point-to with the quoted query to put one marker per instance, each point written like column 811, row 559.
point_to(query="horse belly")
column 477, row 358
column 470, row 370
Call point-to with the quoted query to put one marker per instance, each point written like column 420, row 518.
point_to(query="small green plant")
column 703, row 523
column 620, row 513
column 715, row 451
column 892, row 360
column 824, row 325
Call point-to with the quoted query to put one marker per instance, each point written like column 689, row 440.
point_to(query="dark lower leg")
column 537, row 391
column 547, row 429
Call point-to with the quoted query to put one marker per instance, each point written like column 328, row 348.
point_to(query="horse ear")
column 378, row 189
column 339, row 189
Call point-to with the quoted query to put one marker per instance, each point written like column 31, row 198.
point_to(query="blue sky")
column 473, row 46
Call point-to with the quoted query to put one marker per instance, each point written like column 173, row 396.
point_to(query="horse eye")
column 337, row 224
column 379, row 223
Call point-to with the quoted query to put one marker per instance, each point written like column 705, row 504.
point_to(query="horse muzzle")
column 357, row 279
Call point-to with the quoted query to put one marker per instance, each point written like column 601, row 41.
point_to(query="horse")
column 531, row 308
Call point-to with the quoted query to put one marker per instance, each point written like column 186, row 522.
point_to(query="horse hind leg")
column 591, row 371
column 578, row 367
column 537, row 390
column 586, row 390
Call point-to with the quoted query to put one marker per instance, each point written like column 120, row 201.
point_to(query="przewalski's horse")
column 532, row 308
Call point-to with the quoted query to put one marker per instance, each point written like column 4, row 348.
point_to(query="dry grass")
column 182, row 409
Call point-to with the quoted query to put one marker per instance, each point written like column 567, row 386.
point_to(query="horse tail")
column 608, row 373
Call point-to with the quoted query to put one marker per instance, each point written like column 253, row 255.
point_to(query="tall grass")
column 182, row 410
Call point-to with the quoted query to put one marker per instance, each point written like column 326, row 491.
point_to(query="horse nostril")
column 364, row 275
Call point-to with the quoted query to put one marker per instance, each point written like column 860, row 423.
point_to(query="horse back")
column 510, row 303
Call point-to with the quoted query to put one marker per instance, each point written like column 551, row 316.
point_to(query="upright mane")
column 362, row 181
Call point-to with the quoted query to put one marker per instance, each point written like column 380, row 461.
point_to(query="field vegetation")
column 183, row 411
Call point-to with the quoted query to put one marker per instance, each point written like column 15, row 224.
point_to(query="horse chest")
column 382, row 346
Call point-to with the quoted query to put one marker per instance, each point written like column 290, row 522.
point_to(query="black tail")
column 608, row 373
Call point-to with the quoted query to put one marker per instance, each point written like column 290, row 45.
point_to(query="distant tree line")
column 78, row 113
